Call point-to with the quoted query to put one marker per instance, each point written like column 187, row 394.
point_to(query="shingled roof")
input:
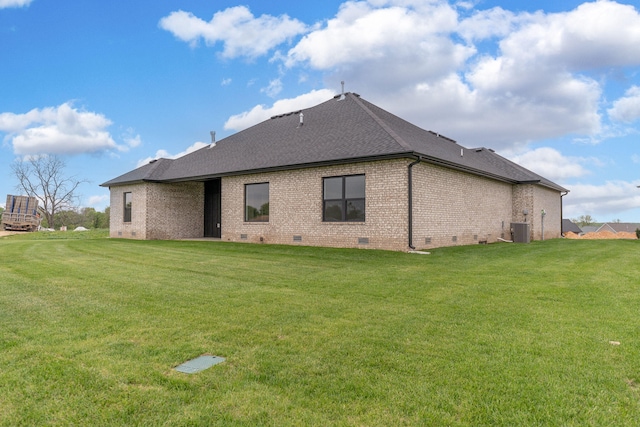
column 344, row 129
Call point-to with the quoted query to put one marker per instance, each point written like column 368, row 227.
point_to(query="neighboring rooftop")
column 341, row 130
column 568, row 225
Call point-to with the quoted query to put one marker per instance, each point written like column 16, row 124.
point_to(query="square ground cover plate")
column 199, row 364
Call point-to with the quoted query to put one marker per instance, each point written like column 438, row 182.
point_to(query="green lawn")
column 504, row 334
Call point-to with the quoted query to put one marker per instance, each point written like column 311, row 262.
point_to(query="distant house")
column 570, row 226
column 619, row 227
column 344, row 173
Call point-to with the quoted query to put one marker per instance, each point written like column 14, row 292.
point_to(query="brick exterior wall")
column 449, row 208
column 551, row 202
column 175, row 211
column 136, row 229
column 456, row 208
column 295, row 208
column 159, row 211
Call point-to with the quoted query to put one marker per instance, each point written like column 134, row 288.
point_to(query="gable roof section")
column 620, row 227
column 568, row 225
column 341, row 130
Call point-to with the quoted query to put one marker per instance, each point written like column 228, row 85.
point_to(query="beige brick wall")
column 175, row 211
column 550, row 201
column 295, row 208
column 449, row 208
column 533, row 199
column 159, row 211
column 457, row 208
column 136, row 229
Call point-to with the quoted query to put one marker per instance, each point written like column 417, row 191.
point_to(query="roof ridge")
column 383, row 125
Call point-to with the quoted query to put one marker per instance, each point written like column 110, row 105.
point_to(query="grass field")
column 489, row 335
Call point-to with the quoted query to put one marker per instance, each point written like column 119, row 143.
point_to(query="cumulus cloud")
column 600, row 201
column 14, row 3
column 164, row 154
column 551, row 164
column 57, row 130
column 536, row 78
column 627, row 108
column 240, row 32
column 260, row 113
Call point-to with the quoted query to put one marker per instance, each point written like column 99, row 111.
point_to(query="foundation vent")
column 243, row 236
column 297, row 238
column 363, row 240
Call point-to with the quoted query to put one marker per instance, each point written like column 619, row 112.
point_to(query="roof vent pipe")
column 301, row 118
column 462, row 152
column 342, row 95
column 213, row 139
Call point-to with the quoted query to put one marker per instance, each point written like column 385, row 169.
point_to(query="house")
column 344, row 173
column 570, row 226
column 619, row 227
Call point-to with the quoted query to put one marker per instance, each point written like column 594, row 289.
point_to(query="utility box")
column 520, row 232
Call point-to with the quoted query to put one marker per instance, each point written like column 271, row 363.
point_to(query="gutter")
column 410, row 200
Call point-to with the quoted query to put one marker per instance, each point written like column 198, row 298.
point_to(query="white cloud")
column 361, row 33
column 601, row 201
column 225, row 82
column 164, row 154
column 418, row 60
column 627, row 108
column 274, row 88
column 241, row 33
column 260, row 112
column 101, row 200
column 14, row 3
column 57, row 130
column 551, row 164
column 594, row 35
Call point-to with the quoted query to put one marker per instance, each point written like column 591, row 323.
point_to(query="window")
column 343, row 198
column 127, row 207
column 256, row 202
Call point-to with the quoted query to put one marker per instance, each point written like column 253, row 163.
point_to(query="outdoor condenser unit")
column 520, row 232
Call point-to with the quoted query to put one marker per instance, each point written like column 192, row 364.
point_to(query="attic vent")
column 443, row 137
column 286, row 114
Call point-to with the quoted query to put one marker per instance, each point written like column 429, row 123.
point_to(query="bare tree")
column 43, row 177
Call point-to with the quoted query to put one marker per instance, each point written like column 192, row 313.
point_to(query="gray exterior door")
column 212, row 211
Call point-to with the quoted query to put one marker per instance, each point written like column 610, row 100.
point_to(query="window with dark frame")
column 256, row 202
column 343, row 198
column 127, row 207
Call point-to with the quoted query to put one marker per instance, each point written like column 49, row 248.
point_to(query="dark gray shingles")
column 338, row 130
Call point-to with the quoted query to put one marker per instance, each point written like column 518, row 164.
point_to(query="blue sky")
column 108, row 86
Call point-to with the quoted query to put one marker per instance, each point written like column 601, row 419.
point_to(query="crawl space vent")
column 199, row 364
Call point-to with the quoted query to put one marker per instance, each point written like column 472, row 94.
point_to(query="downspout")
column 561, row 208
column 410, row 201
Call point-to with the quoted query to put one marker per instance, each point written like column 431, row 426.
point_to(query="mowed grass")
column 497, row 335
